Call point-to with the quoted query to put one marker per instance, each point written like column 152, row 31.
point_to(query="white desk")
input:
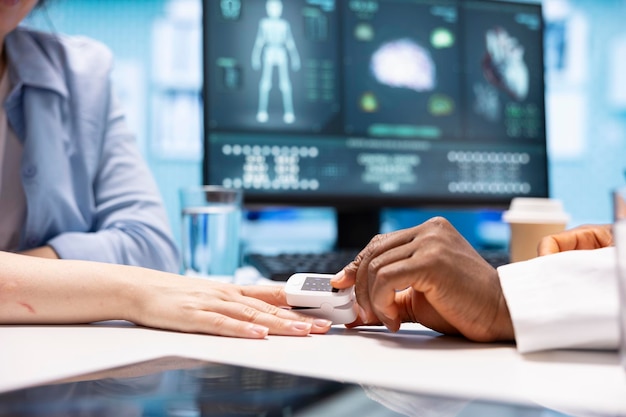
column 415, row 360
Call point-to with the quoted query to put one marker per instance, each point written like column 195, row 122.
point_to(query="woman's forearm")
column 34, row 290
column 57, row 291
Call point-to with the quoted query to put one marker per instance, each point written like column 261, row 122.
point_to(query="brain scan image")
column 503, row 64
column 403, row 63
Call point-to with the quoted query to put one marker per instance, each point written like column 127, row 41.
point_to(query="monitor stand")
column 356, row 227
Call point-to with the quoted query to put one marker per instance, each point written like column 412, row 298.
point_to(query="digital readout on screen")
column 318, row 284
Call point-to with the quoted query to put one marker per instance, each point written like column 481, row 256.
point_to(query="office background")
column 157, row 44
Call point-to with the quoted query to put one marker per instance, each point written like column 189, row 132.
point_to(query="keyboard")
column 495, row 257
column 279, row 267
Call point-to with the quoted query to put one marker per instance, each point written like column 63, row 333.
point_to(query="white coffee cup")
column 531, row 219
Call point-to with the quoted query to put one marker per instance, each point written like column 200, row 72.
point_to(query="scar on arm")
column 28, row 307
column 8, row 287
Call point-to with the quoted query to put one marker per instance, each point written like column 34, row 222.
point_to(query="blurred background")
column 158, row 78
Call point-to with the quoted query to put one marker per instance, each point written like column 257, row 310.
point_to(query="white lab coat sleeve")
column 566, row 300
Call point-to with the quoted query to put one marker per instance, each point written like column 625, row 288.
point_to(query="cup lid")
column 535, row 210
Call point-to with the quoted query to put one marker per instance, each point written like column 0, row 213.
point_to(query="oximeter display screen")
column 318, row 284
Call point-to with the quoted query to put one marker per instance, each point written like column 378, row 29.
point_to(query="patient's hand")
column 582, row 237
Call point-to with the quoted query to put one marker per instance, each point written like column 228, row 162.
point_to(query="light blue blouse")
column 89, row 194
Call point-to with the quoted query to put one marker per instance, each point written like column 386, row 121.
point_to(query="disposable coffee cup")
column 531, row 219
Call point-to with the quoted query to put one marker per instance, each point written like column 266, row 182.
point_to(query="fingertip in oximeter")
column 312, row 294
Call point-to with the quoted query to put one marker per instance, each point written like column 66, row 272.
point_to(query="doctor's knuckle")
column 374, row 266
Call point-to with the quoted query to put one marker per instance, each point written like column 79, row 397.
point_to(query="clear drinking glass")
column 211, row 222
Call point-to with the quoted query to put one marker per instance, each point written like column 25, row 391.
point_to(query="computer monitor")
column 362, row 105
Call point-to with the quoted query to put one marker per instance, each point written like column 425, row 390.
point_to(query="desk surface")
column 415, row 361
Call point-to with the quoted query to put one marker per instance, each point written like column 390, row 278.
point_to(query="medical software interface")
column 395, row 98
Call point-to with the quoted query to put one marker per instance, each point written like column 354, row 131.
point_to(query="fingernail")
column 300, row 326
column 322, row 323
column 338, row 276
column 260, row 331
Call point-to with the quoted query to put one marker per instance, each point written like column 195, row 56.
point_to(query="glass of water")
column 211, row 219
column 619, row 232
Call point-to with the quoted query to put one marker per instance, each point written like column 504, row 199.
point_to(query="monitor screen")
column 367, row 104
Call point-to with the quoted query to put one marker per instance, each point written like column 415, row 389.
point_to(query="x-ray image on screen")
column 275, row 62
column 275, row 51
column 504, row 65
column 504, row 52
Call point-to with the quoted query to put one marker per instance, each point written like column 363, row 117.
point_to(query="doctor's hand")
column 582, row 237
column 431, row 275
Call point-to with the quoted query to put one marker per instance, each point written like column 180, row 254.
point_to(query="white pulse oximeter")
column 312, row 294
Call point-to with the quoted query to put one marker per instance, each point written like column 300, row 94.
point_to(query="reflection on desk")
column 191, row 388
column 207, row 390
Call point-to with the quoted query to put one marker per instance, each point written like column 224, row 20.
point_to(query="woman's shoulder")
column 80, row 54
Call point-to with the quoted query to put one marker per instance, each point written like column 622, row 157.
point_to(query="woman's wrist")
column 128, row 292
